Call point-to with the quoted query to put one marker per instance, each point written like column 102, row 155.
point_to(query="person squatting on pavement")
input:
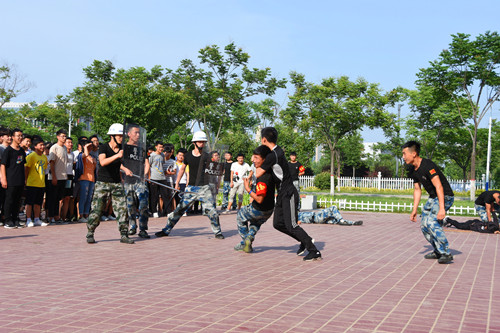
column 487, row 203
column 197, row 189
column 252, row 216
column 136, row 189
column 285, row 211
column 109, row 185
column 330, row 215
column 425, row 172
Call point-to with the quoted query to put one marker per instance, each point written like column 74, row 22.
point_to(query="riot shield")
column 134, row 152
column 214, row 168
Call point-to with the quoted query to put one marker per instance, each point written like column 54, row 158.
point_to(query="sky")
column 385, row 42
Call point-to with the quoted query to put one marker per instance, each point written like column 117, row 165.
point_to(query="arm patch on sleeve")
column 302, row 169
column 261, row 188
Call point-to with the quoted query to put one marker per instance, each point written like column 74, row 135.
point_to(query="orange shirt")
column 89, row 165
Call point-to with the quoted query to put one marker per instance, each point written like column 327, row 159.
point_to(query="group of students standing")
column 42, row 175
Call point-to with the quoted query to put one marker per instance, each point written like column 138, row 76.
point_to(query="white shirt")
column 239, row 171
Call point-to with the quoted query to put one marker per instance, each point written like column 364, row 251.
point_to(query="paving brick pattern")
column 373, row 278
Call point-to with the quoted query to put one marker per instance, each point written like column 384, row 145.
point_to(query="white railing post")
column 379, row 179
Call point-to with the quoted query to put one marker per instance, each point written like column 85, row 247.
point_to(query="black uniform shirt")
column 295, row 169
column 425, row 173
column 486, row 198
column 265, row 186
column 196, row 178
column 111, row 172
column 277, row 164
column 227, row 171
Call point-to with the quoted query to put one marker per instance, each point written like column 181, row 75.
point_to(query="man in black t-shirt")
column 252, row 216
column 13, row 179
column 427, row 173
column 285, row 212
column 108, row 185
column 296, row 170
column 228, row 156
column 487, row 203
column 136, row 190
column 198, row 188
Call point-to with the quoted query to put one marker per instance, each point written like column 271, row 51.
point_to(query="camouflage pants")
column 193, row 193
column 102, row 193
column 330, row 215
column 137, row 204
column 249, row 221
column 431, row 228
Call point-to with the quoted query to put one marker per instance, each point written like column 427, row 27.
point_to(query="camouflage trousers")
column 330, row 215
column 102, row 193
column 481, row 211
column 193, row 193
column 137, row 204
column 431, row 228
column 249, row 221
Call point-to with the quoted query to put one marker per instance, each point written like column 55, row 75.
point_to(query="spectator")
column 238, row 171
column 26, row 144
column 228, row 156
column 156, row 161
column 58, row 160
column 67, row 200
column 296, row 170
column 36, row 164
column 6, row 139
column 170, row 170
column 181, row 152
column 13, row 179
column 82, row 140
column 87, row 180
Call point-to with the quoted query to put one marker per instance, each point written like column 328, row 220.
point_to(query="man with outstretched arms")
column 427, row 173
column 108, row 185
column 197, row 189
column 252, row 216
column 285, row 212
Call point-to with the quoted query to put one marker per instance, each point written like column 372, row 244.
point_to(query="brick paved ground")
column 373, row 278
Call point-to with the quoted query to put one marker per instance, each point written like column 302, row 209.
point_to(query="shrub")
column 322, row 181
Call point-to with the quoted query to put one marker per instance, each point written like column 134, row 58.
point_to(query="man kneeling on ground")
column 252, row 216
column 330, row 215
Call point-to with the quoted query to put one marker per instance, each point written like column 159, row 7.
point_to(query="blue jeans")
column 86, row 192
column 431, row 228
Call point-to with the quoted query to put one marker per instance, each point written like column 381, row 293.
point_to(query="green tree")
column 470, row 69
column 136, row 95
column 223, row 88
column 351, row 151
column 338, row 107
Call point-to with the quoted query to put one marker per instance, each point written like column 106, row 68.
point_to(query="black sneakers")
column 301, row 250
column 132, row 231
column 90, row 238
column 144, row 234
column 313, row 255
column 358, row 223
column 9, row 225
column 432, row 255
column 219, row 236
column 445, row 259
column 161, row 233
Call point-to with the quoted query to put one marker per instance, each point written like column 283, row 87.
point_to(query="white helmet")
column 115, row 129
column 199, row 136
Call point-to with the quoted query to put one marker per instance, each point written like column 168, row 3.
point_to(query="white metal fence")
column 373, row 206
column 389, row 183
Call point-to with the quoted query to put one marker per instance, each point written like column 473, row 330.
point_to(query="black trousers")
column 286, row 217
column 165, row 193
column 54, row 194
column 12, row 202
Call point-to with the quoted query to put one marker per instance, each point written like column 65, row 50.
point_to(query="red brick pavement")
column 372, row 278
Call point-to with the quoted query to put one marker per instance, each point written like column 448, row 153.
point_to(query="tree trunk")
column 473, row 167
column 332, row 170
